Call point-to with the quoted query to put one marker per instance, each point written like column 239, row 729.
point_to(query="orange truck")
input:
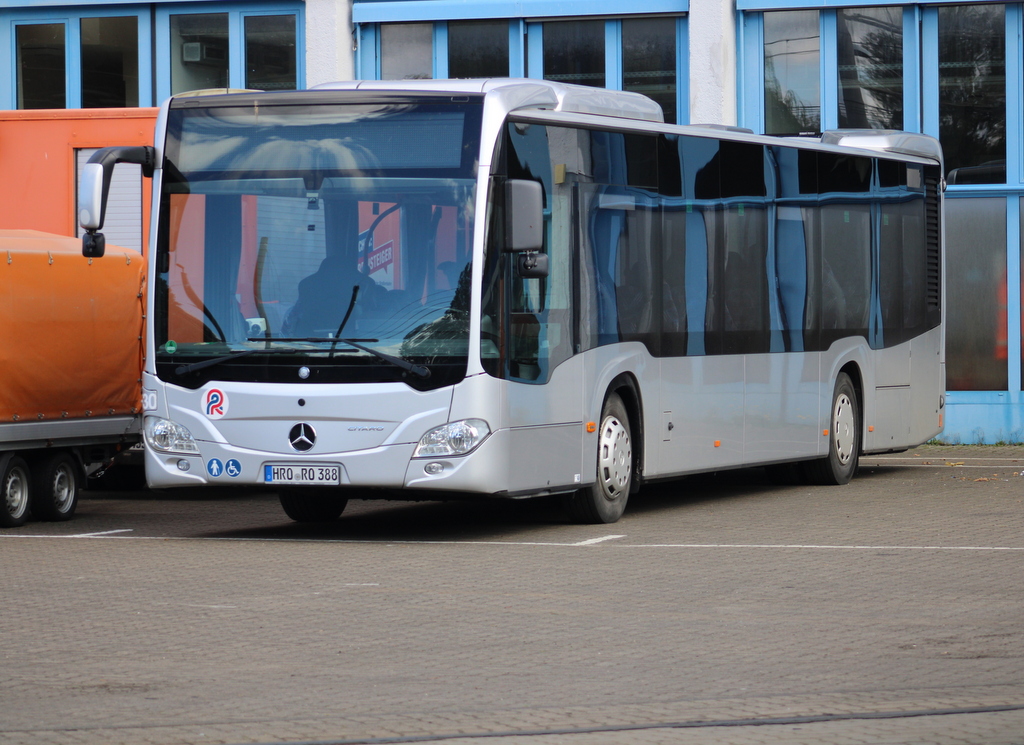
column 71, row 356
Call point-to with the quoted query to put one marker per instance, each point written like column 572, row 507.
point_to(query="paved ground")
column 718, row 610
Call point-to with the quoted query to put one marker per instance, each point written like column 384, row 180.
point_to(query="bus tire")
column 605, row 500
column 56, row 481
column 15, row 491
column 312, row 505
column 839, row 466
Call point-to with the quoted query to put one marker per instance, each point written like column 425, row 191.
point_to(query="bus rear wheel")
column 605, row 500
column 312, row 505
column 14, row 491
column 839, row 466
column 55, row 481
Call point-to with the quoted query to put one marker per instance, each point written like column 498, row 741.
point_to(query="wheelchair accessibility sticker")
column 216, row 468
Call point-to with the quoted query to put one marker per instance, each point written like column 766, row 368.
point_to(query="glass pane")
column 199, row 52
column 972, row 92
column 649, row 60
column 406, row 51
column 574, row 52
column 270, row 52
column 976, row 295
column 41, row 66
column 478, row 49
column 792, row 99
column 110, row 62
column 870, row 49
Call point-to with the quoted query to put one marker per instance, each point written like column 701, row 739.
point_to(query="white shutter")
column 123, row 223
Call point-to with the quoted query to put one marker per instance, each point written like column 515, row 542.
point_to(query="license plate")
column 285, row 473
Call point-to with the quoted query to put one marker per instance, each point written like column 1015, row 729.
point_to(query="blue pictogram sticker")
column 214, row 467
column 233, row 468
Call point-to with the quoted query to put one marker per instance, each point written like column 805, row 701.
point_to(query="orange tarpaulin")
column 71, row 329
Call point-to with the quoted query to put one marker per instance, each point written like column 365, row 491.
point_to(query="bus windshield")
column 334, row 239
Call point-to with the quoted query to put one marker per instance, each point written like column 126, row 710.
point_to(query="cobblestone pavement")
column 718, row 610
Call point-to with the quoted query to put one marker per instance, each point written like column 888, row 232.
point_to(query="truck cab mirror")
column 524, row 215
column 94, row 186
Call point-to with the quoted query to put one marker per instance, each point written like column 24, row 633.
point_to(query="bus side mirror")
column 524, row 215
column 94, row 186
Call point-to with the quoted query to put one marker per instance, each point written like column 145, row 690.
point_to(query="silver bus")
column 511, row 288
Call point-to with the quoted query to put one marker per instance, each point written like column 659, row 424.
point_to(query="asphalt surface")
column 720, row 609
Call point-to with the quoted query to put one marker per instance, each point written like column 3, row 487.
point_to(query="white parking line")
column 549, row 544
column 102, row 533
column 592, row 541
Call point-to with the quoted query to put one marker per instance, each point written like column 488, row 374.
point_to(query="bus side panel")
column 702, row 398
column 545, row 436
column 781, row 404
column 929, row 387
column 889, row 424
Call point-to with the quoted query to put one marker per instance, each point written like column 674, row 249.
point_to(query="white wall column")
column 712, row 62
column 329, row 54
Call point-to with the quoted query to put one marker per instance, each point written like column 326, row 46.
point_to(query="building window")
column 270, row 52
column 869, row 45
column 478, row 49
column 972, row 92
column 199, row 51
column 574, row 52
column 792, row 91
column 406, row 51
column 649, row 60
column 110, row 62
column 976, row 313
column 41, row 65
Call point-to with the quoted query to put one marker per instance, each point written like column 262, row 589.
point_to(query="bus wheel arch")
column 617, row 449
column 845, row 439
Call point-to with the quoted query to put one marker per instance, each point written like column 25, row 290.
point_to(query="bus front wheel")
column 312, row 505
column 840, row 464
column 605, row 500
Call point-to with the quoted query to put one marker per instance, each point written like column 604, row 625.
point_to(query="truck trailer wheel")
column 312, row 505
column 15, row 488
column 56, row 481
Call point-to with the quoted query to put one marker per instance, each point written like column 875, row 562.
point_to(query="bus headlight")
column 169, row 437
column 454, row 438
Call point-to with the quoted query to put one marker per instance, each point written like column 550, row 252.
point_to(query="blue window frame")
column 413, row 40
column 69, row 22
column 205, row 45
column 272, row 34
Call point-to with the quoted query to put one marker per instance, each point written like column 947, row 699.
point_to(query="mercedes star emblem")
column 302, row 437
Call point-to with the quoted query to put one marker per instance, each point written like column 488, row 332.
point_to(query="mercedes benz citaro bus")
column 513, row 288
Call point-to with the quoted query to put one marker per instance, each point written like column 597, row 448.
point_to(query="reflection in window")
column 792, row 46
column 478, row 49
column 972, row 92
column 406, row 51
column 41, row 66
column 199, row 51
column 976, row 319
column 270, row 52
column 649, row 60
column 870, row 50
column 110, row 62
column 574, row 52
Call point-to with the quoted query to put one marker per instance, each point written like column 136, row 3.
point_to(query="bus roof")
column 524, row 93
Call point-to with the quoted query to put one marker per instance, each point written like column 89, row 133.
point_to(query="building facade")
column 786, row 67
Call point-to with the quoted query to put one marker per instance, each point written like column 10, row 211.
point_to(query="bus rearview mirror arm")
column 94, row 187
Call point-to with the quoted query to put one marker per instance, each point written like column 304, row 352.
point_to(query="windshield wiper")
column 192, row 367
column 420, row 371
